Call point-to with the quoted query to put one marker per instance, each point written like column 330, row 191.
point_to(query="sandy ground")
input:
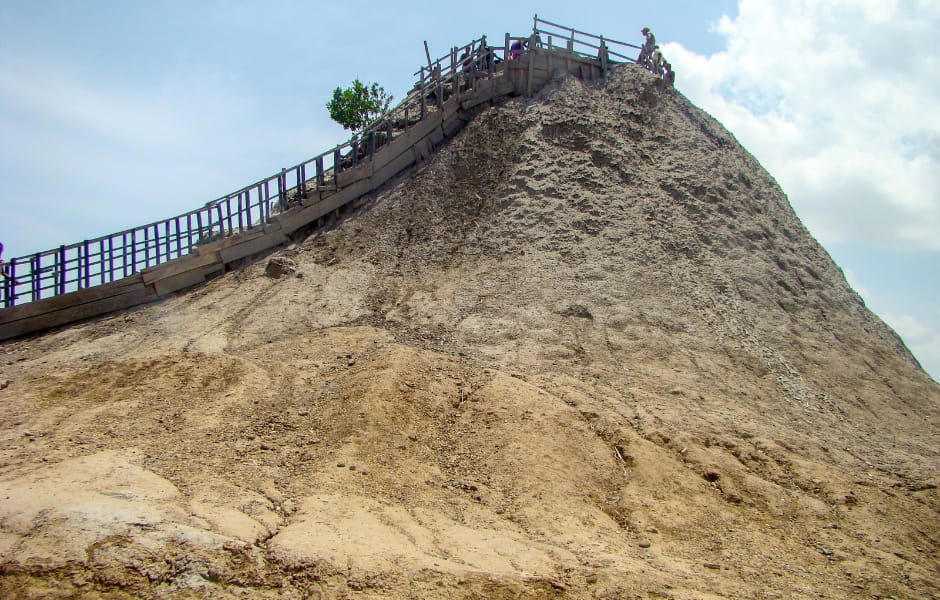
column 586, row 351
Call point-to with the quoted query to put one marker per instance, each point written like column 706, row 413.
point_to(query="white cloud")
column 840, row 100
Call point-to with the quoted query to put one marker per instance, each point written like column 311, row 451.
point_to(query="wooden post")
column 490, row 59
column 320, row 171
column 179, row 240
column 439, row 85
column 146, row 250
column 337, row 160
column 603, row 56
column 218, row 213
column 134, row 247
column 111, row 257
column 9, row 288
column 474, row 58
column 454, row 75
column 531, row 66
column 60, row 270
column 281, row 190
column 266, row 202
column 34, row 279
column 571, row 42
column 506, row 49
column 550, row 52
column 424, row 96
column 189, row 233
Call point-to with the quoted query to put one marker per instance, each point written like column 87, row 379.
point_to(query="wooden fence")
column 447, row 86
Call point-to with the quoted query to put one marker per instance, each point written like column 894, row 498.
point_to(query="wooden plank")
column 484, row 94
column 450, row 107
column 234, row 240
column 184, row 280
column 363, row 171
column 422, row 150
column 293, row 222
column 180, row 265
column 32, row 309
column 345, row 196
column 132, row 296
column 505, row 86
column 313, row 196
column 436, row 136
column 530, row 69
column 391, row 152
column 253, row 246
column 425, row 127
column 453, row 125
column 393, row 168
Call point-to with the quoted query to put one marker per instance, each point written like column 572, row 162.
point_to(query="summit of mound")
column 586, row 350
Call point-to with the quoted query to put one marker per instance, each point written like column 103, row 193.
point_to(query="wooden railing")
column 105, row 259
column 581, row 43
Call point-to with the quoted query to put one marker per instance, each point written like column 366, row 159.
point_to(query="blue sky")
column 115, row 113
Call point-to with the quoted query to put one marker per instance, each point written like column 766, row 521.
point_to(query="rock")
column 645, row 544
column 280, row 265
column 590, row 578
column 578, row 311
column 711, row 565
column 4, row 384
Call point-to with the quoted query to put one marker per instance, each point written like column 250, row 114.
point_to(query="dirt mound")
column 586, row 351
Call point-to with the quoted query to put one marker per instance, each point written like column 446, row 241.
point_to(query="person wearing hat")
column 647, row 50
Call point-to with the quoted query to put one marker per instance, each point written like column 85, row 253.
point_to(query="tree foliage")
column 358, row 105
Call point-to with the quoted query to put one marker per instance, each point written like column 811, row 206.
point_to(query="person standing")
column 656, row 61
column 647, row 50
column 669, row 76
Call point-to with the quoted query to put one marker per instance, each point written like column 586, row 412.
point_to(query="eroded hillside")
column 587, row 350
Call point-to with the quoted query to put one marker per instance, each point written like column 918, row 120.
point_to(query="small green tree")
column 358, row 105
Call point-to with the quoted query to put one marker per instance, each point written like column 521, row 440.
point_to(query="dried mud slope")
column 586, row 351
